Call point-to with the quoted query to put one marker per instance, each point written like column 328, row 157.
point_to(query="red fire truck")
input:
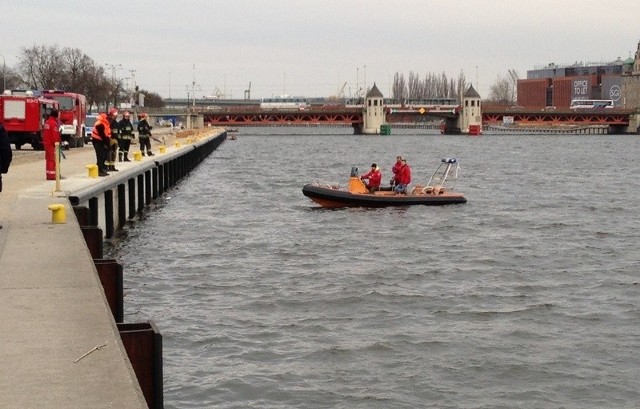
column 72, row 115
column 23, row 117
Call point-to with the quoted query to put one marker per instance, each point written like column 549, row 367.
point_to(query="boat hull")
column 336, row 198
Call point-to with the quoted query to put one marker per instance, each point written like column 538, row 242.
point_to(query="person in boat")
column 404, row 178
column 373, row 178
column 396, row 171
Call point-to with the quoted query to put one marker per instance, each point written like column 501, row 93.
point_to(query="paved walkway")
column 52, row 308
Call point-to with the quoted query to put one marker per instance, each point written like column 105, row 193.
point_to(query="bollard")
column 58, row 213
column 177, row 144
column 188, row 141
column 137, row 156
column 163, row 149
column 93, row 171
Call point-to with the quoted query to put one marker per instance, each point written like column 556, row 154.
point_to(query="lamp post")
column 114, row 67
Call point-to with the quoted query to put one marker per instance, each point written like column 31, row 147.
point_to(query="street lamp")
column 113, row 70
column 113, row 78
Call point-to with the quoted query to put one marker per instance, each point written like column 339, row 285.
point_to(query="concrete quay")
column 60, row 346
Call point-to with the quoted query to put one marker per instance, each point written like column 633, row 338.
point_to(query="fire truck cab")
column 23, row 116
column 72, row 115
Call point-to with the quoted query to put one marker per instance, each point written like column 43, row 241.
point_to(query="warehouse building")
column 556, row 86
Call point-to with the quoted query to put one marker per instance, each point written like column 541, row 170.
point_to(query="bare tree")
column 399, row 88
column 415, row 86
column 11, row 79
column 42, row 67
column 97, row 87
column 503, row 91
column 461, row 85
column 431, row 87
column 49, row 67
column 76, row 69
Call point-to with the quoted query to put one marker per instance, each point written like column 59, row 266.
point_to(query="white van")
column 88, row 127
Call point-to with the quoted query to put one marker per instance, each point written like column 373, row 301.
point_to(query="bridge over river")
column 251, row 114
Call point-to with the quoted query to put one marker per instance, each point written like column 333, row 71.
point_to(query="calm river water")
column 527, row 296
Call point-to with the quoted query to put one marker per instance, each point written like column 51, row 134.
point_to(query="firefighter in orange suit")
column 51, row 135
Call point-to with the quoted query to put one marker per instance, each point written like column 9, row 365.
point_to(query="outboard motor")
column 354, row 172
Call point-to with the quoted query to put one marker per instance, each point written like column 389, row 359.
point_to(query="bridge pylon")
column 470, row 119
column 373, row 111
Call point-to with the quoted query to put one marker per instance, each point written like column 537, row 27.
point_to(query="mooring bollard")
column 137, row 156
column 93, row 171
column 177, row 144
column 58, row 213
column 188, row 141
column 163, row 149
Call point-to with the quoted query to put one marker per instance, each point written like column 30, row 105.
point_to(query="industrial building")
column 555, row 86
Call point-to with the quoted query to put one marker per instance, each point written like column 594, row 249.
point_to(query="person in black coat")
column 5, row 153
column 144, row 134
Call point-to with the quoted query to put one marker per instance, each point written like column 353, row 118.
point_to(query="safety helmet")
column 113, row 112
column 126, row 114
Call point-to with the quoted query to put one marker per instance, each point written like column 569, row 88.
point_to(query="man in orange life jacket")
column 50, row 136
column 100, row 139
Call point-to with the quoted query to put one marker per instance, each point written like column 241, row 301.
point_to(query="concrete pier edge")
column 60, row 346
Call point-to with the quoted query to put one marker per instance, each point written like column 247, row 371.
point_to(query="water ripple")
column 526, row 296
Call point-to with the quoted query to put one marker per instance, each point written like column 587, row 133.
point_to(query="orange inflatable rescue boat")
column 434, row 193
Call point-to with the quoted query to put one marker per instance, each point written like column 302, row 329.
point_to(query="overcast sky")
column 311, row 47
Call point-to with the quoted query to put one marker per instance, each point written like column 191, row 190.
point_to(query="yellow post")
column 137, row 156
column 163, row 149
column 188, row 140
column 93, row 171
column 177, row 144
column 58, row 213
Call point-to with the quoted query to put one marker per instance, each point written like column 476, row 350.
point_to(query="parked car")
column 88, row 127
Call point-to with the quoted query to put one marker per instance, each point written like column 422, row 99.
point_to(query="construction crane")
column 340, row 94
column 514, row 85
column 216, row 94
column 247, row 92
